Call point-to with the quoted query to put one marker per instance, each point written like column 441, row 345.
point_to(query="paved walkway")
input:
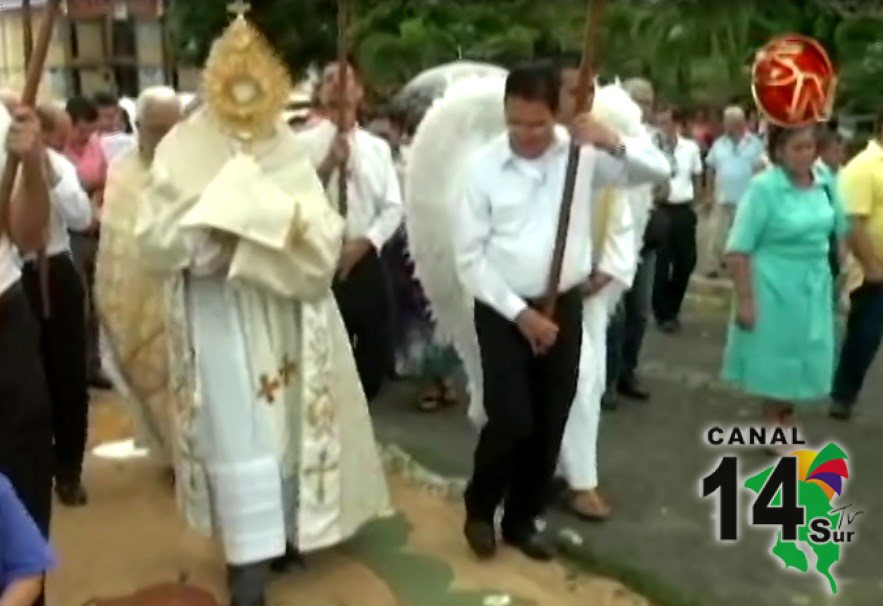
column 653, row 457
column 130, row 538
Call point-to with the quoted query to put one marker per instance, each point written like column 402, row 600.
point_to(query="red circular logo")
column 793, row 81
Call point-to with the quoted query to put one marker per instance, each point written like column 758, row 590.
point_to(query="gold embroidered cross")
column 320, row 470
column 268, row 389
column 286, row 371
column 239, row 7
column 320, row 416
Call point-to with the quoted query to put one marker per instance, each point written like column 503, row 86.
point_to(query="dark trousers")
column 63, row 353
column 365, row 302
column 527, row 399
column 25, row 416
column 247, row 584
column 675, row 260
column 864, row 330
column 85, row 249
column 625, row 335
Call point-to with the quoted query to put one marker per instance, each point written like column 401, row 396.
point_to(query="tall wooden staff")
column 595, row 14
column 342, row 77
column 42, row 261
column 28, row 98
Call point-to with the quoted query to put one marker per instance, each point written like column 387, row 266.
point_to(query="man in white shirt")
column 627, row 328
column 373, row 213
column 503, row 247
column 676, row 257
column 64, row 337
column 25, row 417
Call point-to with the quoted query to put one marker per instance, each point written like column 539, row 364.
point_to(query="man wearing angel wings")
column 498, row 189
column 274, row 444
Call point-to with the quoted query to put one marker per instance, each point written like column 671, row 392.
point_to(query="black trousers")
column 85, row 250
column 25, row 415
column 365, row 302
column 63, row 353
column 675, row 260
column 625, row 334
column 527, row 399
column 864, row 331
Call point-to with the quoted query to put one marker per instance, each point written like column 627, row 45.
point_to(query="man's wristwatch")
column 617, row 150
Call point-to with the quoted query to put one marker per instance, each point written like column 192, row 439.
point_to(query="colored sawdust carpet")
column 130, row 537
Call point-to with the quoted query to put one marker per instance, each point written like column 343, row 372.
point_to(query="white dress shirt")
column 640, row 199
column 374, row 196
column 117, row 144
column 9, row 271
column 687, row 166
column 509, row 216
column 70, row 206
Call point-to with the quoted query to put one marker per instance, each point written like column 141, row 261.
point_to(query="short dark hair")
column 827, row 137
column 777, row 138
column 106, row 99
column 81, row 109
column 535, row 81
column 568, row 60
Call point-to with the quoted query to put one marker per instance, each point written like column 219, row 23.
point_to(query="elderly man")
column 731, row 162
column 129, row 298
column 627, row 327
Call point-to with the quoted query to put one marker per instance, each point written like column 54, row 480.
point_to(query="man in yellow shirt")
column 861, row 184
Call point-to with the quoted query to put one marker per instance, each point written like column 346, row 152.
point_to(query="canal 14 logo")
column 796, row 495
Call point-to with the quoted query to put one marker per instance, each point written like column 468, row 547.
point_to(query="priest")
column 276, row 444
column 129, row 297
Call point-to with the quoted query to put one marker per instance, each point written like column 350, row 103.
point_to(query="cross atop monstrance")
column 239, row 8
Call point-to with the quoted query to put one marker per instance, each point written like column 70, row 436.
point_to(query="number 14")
column 788, row 516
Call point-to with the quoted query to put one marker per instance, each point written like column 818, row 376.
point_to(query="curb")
column 572, row 547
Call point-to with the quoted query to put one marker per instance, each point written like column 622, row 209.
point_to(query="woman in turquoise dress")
column 780, row 344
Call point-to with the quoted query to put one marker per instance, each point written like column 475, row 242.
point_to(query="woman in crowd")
column 780, row 345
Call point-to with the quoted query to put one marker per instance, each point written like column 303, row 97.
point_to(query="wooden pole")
column 586, row 75
column 28, row 30
column 342, row 79
column 42, row 261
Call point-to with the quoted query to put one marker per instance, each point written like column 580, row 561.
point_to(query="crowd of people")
column 149, row 249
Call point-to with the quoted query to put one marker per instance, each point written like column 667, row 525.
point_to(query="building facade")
column 98, row 45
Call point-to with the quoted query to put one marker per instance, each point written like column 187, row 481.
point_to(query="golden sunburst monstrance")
column 246, row 85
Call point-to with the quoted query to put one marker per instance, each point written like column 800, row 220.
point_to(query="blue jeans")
column 864, row 331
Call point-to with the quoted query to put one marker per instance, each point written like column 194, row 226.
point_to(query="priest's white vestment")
column 275, row 441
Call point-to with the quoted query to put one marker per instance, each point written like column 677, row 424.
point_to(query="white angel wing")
column 465, row 118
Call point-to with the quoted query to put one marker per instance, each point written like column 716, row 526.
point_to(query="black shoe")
column 631, row 388
column 532, row 545
column 669, row 326
column 71, row 493
column 839, row 411
column 291, row 560
column 609, row 401
column 481, row 537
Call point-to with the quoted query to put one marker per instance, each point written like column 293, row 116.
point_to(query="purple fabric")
column 23, row 550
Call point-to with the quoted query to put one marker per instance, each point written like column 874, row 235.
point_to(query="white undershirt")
column 70, row 207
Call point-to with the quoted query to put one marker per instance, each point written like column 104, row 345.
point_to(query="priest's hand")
column 353, row 252
column 590, row 131
column 540, row 331
column 25, row 138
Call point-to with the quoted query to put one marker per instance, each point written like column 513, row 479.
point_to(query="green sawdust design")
column 416, row 580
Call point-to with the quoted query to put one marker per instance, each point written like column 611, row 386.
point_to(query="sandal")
column 590, row 506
